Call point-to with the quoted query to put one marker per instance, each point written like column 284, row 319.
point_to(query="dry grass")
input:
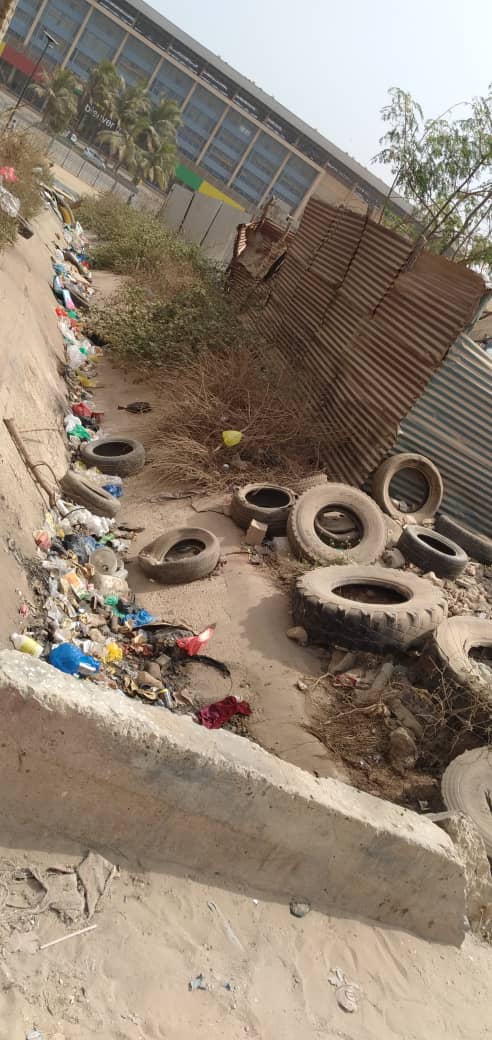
column 24, row 152
column 241, row 388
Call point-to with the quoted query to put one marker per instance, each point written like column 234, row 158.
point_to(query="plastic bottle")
column 26, row 644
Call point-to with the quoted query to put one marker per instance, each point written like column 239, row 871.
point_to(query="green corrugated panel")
column 188, row 177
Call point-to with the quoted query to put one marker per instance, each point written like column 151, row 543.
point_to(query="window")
column 171, row 82
column 199, row 120
column 61, row 18
column 99, row 42
column 136, row 61
column 294, row 181
column 260, row 167
column 122, row 11
column 22, row 19
column 228, row 146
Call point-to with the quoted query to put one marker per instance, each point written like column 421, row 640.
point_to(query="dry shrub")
column 136, row 243
column 246, row 388
column 28, row 157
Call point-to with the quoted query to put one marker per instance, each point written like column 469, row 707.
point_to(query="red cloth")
column 214, row 715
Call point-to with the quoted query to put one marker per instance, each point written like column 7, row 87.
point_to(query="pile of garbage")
column 87, row 623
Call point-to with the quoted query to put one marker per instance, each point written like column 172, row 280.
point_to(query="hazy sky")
column 332, row 61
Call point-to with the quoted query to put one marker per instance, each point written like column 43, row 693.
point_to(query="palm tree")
column 103, row 87
column 158, row 165
column 131, row 112
column 145, row 138
column 164, row 120
column 58, row 90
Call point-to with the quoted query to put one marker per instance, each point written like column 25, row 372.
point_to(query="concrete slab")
column 81, row 761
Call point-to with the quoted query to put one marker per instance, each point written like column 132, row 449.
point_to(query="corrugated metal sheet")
column 363, row 322
column 451, row 423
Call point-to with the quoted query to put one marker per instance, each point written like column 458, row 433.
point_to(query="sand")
column 129, row 979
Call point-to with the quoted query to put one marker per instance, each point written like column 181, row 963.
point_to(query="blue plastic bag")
column 114, row 489
column 69, row 659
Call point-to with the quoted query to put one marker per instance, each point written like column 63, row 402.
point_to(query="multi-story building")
column 235, row 141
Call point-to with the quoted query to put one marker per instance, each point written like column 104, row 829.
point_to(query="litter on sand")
column 216, row 715
column 347, row 993
column 197, row 983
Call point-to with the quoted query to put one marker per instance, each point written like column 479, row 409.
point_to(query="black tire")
column 24, row 228
column 452, row 643
column 268, row 503
column 388, row 469
column 329, row 617
column 152, row 558
column 478, row 546
column 306, row 483
column 119, row 456
column 305, row 534
column 432, row 551
column 84, row 493
column 466, row 787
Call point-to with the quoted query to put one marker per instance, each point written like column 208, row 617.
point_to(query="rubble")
column 403, row 750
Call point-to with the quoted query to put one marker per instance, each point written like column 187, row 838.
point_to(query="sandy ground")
column 251, row 613
column 129, row 979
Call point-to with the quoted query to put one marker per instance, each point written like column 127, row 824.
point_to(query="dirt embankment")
column 32, row 392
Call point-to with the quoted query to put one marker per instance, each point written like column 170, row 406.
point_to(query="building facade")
column 235, row 141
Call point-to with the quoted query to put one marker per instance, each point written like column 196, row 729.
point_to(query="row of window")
column 236, row 137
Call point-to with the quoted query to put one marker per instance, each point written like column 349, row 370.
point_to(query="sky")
column 332, row 61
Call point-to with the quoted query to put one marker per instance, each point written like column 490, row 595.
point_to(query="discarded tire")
column 388, row 470
column 369, row 608
column 268, row 503
column 306, row 483
column 466, row 787
column 181, row 555
column 82, row 491
column 309, row 529
column 458, row 645
column 478, row 546
column 432, row 551
column 119, row 456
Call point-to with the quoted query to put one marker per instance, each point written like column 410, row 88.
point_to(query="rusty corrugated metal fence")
column 451, row 423
column 363, row 322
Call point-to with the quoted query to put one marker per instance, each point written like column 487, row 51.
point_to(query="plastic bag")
column 194, row 644
column 82, row 410
column 231, row 438
column 69, row 659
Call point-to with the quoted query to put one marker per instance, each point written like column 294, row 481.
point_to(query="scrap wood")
column 29, row 462
column 71, row 935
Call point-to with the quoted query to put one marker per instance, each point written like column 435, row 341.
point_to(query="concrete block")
column 82, row 763
column 256, row 533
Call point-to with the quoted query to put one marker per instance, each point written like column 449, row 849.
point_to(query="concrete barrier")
column 83, row 763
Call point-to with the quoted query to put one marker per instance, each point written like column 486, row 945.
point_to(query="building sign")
column 105, row 121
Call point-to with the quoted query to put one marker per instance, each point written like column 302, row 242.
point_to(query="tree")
column 158, row 165
column 103, row 87
column 145, row 138
column 58, row 90
column 443, row 167
column 163, row 122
